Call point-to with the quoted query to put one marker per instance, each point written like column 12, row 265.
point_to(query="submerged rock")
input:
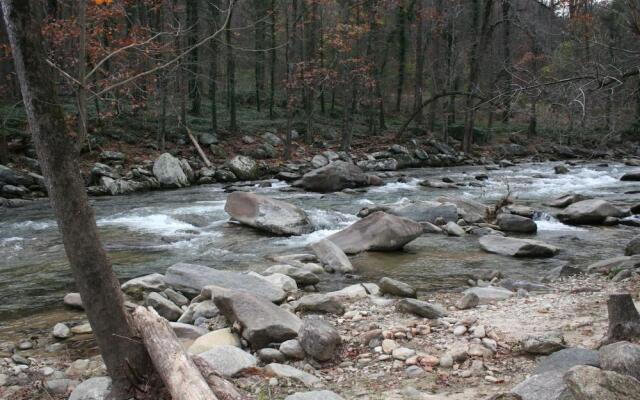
column 192, row 278
column 377, row 232
column 517, row 247
column 267, row 214
column 334, row 177
column 589, row 212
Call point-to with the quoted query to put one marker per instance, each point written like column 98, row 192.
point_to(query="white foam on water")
column 155, row 223
column 327, row 219
column 365, row 202
column 305, row 240
column 33, row 225
column 202, row 207
column 396, row 186
column 556, row 226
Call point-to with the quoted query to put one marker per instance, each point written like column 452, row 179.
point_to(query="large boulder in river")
column 589, row 212
column 516, row 223
column 192, row 278
column 508, row 246
column 267, row 214
column 261, row 321
column 631, row 176
column 12, row 177
column 168, row 171
column 334, row 177
column 377, row 232
column 245, row 168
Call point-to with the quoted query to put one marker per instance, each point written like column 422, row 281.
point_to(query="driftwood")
column 222, row 388
column 197, row 146
column 624, row 320
column 179, row 374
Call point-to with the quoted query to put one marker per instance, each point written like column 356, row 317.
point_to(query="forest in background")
column 139, row 71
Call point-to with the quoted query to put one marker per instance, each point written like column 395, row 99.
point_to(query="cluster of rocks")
column 17, row 187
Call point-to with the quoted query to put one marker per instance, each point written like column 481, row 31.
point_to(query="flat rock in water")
column 262, row 322
column 267, row 214
column 334, row 177
column 547, row 386
column 396, row 288
column 489, row 294
column 229, row 360
column 286, row 371
column 315, row 395
column 421, row 308
column 92, row 389
column 517, row 247
column 591, row 383
column 516, row 223
column 589, row 212
column 565, row 359
column 566, row 200
column 621, row 357
column 192, row 278
column 332, row 256
column 377, row 232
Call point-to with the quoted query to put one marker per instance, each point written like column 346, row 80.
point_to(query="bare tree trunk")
column 213, row 67
column 194, row 59
column 231, row 75
column 506, row 49
column 272, row 53
column 401, row 19
column 99, row 288
column 624, row 320
column 82, row 74
column 260, row 31
column 419, row 74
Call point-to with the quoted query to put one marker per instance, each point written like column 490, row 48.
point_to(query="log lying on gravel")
column 180, row 374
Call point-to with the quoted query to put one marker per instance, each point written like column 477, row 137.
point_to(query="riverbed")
column 148, row 232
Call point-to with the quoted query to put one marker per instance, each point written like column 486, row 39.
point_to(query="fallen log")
column 178, row 372
column 221, row 387
column 624, row 320
column 197, row 146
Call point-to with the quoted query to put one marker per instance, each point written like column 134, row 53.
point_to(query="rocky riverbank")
column 273, row 334
column 110, row 172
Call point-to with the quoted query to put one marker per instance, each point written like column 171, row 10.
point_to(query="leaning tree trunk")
column 624, row 320
column 98, row 286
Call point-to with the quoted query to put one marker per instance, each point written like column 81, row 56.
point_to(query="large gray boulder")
column 621, row 357
column 319, row 339
column 245, row 168
column 334, row 177
column 589, row 212
column 10, row 176
column 516, row 223
column 546, row 386
column 566, row 359
column 377, row 232
column 332, row 256
column 168, row 171
column 508, row 246
column 267, row 214
column 590, row 383
column 192, row 278
column 261, row 321
column 228, row 360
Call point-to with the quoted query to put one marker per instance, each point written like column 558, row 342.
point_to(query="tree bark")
column 401, row 19
column 420, row 56
column 213, row 67
column 231, row 75
column 177, row 371
column 272, row 54
column 260, row 31
column 194, row 62
column 95, row 280
column 82, row 73
column 624, row 320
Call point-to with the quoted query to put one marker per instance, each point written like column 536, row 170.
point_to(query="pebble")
column 61, row 331
column 388, row 346
column 19, row 359
column 414, row 371
column 446, row 361
column 25, row 345
column 478, row 331
column 459, row 330
column 403, row 353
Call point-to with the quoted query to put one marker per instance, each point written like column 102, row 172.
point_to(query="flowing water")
column 148, row 232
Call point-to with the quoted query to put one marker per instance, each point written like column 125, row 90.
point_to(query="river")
column 148, row 232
